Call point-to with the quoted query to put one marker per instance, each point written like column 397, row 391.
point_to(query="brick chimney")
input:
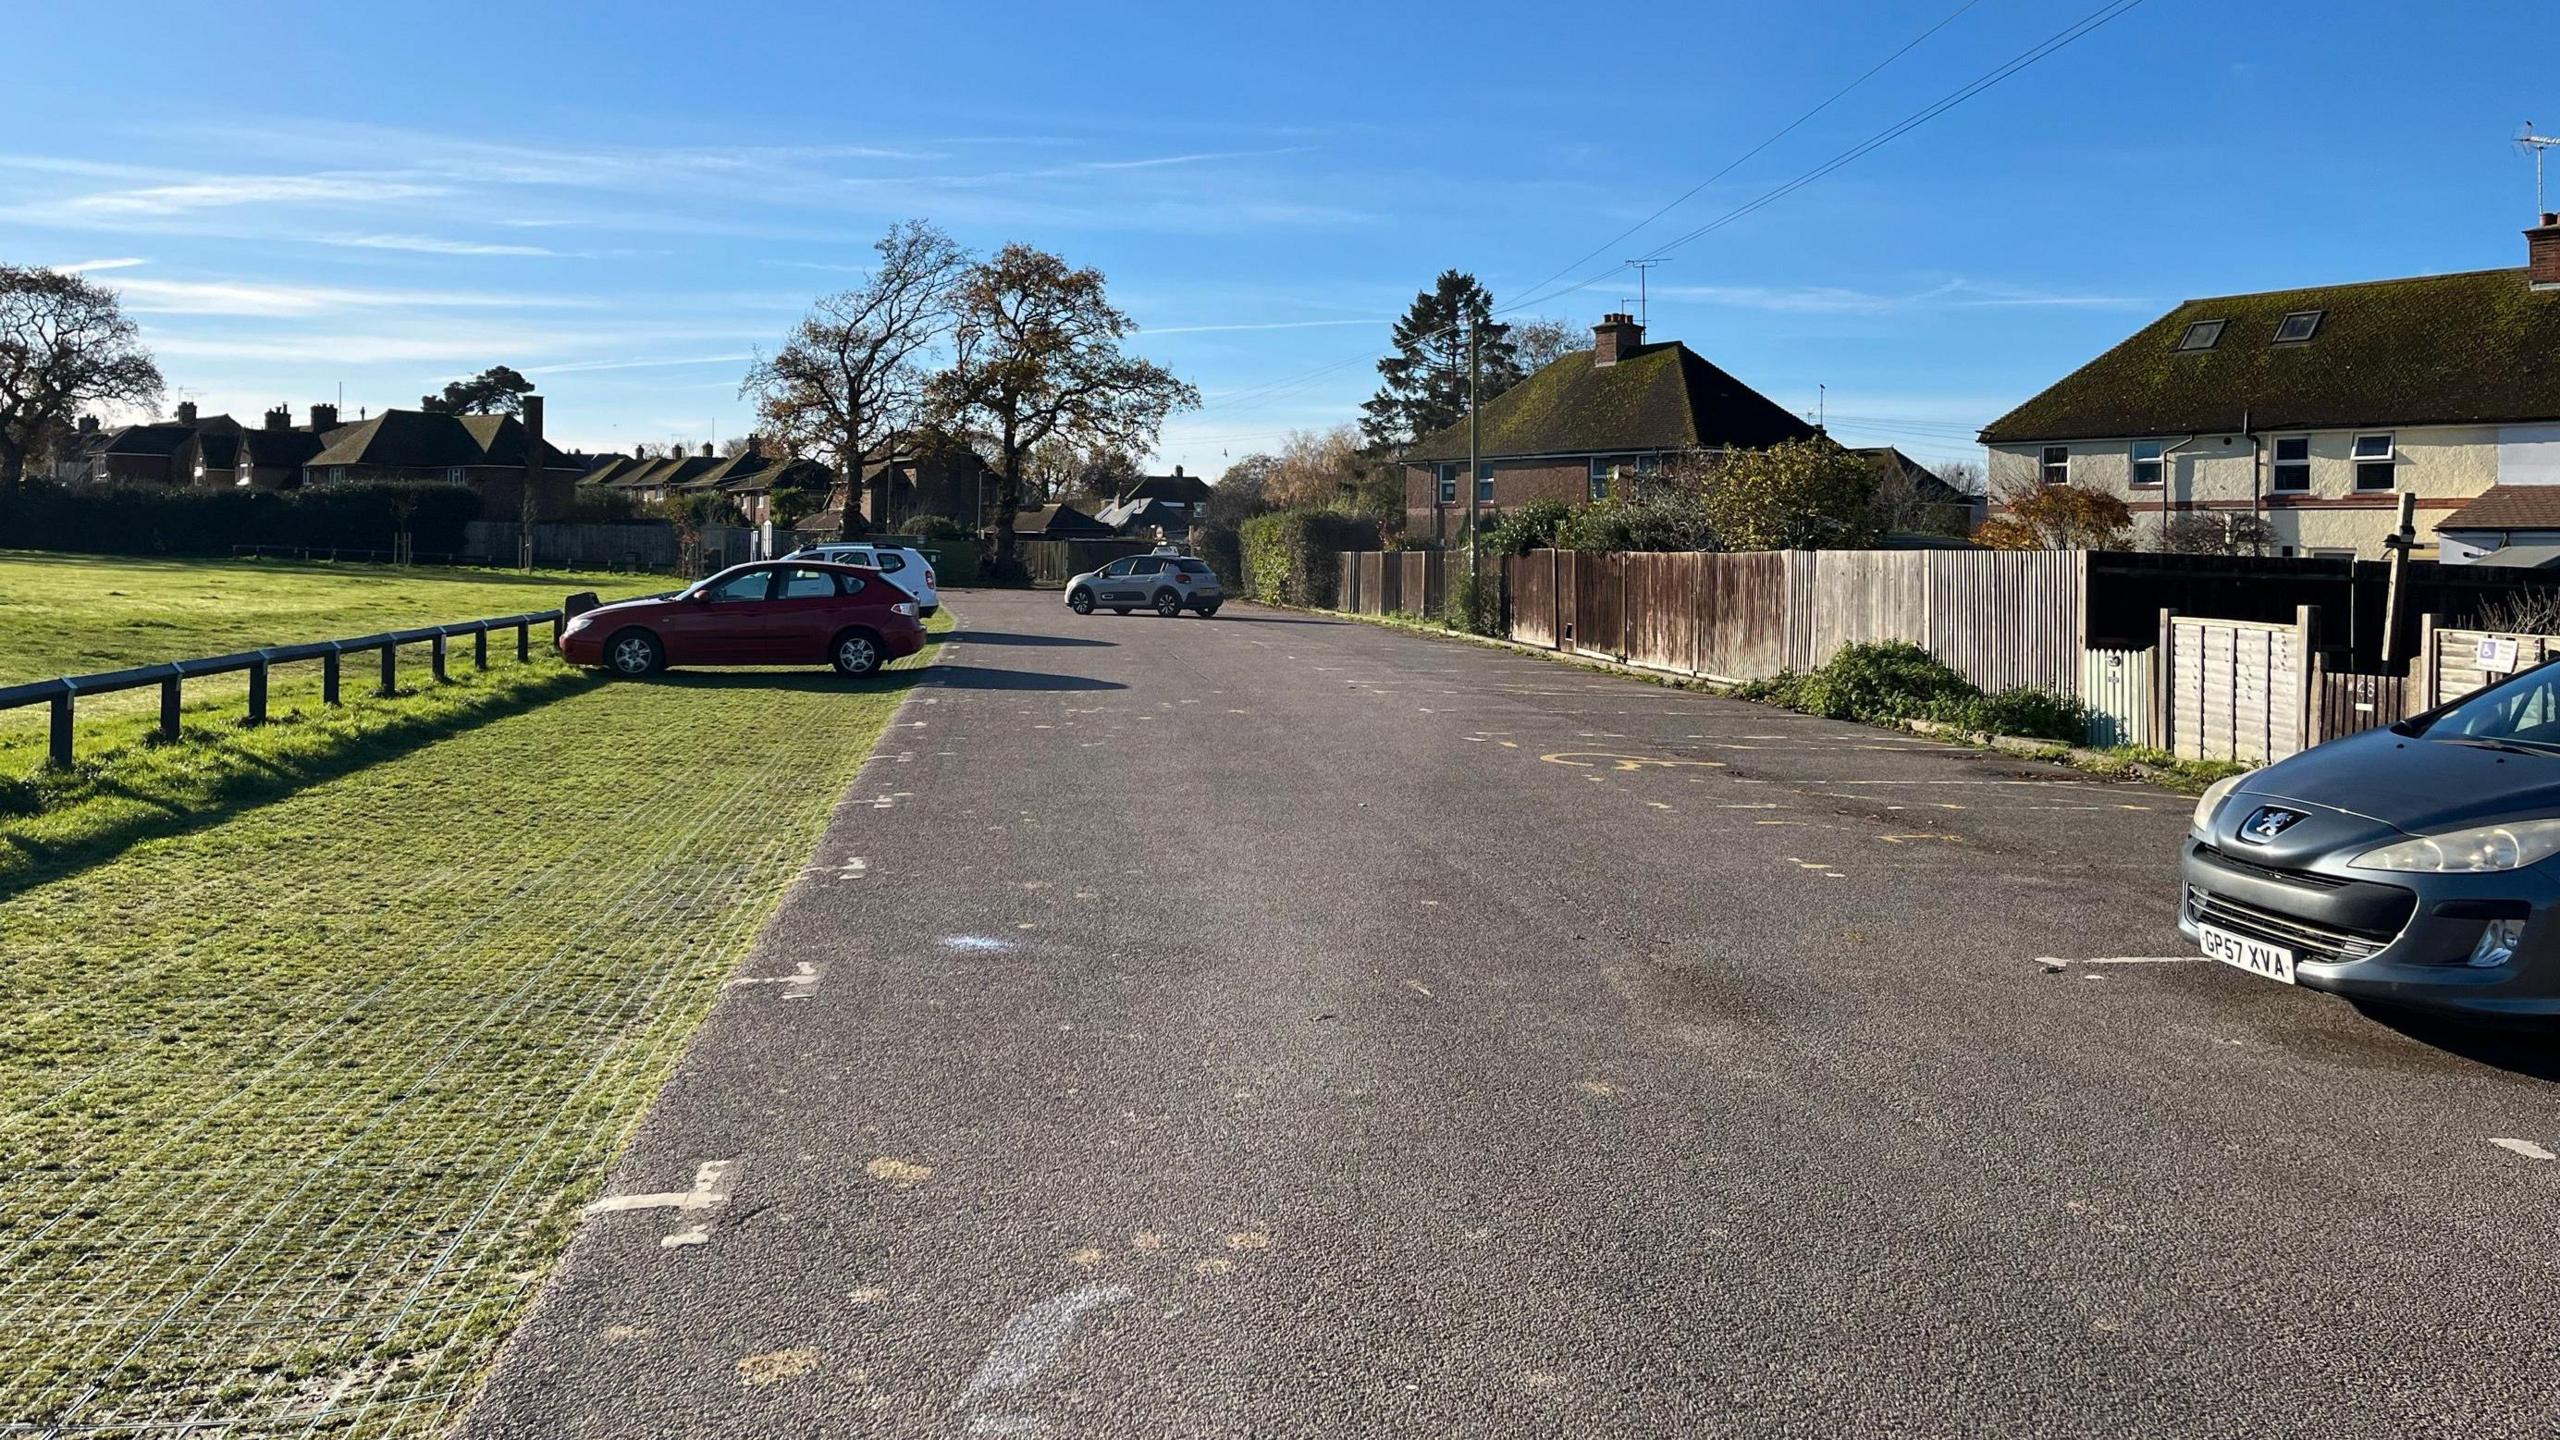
column 280, row 418
column 186, row 412
column 323, row 417
column 706, row 449
column 2542, row 253
column 1615, row 335
column 88, row 424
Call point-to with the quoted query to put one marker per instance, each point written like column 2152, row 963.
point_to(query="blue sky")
column 627, row 201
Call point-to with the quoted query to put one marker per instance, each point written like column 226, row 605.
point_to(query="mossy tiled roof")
column 2436, row 349
column 1663, row 396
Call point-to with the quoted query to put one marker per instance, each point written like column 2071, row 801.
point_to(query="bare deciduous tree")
column 1545, row 340
column 65, row 346
column 1036, row 355
column 848, row 379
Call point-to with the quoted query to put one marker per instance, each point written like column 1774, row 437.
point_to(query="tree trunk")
column 1007, row 564
column 13, row 465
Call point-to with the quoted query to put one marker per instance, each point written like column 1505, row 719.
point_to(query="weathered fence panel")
column 2116, row 686
column 2461, row 661
column 2236, row 689
column 1600, row 603
column 1530, row 581
column 1744, row 614
column 2009, row 618
column 1661, row 611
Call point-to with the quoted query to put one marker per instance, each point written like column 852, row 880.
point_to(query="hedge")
column 1293, row 557
column 154, row 520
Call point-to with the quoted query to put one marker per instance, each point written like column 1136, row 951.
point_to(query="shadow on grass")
column 130, row 815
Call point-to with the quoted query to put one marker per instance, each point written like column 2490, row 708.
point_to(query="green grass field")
column 79, row 614
column 299, row 1098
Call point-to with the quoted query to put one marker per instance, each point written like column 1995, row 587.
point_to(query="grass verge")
column 297, row 1107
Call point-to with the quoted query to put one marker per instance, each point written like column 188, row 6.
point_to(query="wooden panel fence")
column 2457, row 662
column 2235, row 689
column 2003, row 619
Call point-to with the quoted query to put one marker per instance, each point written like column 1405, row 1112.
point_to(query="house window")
column 2055, row 469
column 2146, row 462
column 1484, row 483
column 2375, row 463
column 1600, row 471
column 1448, row 484
column 2201, row 335
column 2293, row 464
column 2299, row 326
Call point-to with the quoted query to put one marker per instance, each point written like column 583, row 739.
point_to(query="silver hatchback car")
column 1166, row 584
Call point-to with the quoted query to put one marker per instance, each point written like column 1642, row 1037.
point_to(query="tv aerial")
column 2537, row 146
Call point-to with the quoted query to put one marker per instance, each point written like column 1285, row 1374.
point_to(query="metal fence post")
column 435, row 658
column 59, row 754
column 169, row 700
column 329, row 678
column 480, row 648
column 390, row 668
column 524, row 642
column 2164, row 682
column 258, row 693
column 556, row 623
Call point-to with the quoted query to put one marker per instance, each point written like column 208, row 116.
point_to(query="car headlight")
column 580, row 622
column 2460, row 852
column 2212, row 798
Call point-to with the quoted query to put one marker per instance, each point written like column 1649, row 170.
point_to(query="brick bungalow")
column 1572, row 429
column 485, row 452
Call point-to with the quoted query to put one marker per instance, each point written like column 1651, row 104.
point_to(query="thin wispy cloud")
column 1261, row 325
column 433, row 245
column 589, row 366
column 146, row 296
column 87, row 267
column 226, row 192
column 1840, row 300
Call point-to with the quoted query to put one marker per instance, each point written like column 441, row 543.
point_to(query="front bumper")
column 583, row 647
column 2395, row 939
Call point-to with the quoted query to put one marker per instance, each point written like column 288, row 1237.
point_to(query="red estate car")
column 797, row 612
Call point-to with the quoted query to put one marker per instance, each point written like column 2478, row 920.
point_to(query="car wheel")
column 1081, row 602
column 1168, row 603
column 634, row 653
column 1208, row 610
column 855, row 652
column 928, row 611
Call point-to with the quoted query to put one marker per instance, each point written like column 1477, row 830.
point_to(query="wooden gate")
column 2235, row 689
column 2345, row 702
column 2116, row 686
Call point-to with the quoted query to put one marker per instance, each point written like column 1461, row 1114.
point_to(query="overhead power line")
column 2059, row 40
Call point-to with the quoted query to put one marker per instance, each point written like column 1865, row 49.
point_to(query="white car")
column 907, row 569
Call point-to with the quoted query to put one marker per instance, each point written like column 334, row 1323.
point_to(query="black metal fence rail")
column 63, row 693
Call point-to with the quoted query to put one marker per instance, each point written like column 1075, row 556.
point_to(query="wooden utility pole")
column 2404, row 538
column 1474, row 439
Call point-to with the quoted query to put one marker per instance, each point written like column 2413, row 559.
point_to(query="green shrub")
column 932, row 527
column 1894, row 680
column 1219, row 544
column 1661, row 517
column 1528, row 527
column 2023, row 711
column 1474, row 601
column 1293, row 557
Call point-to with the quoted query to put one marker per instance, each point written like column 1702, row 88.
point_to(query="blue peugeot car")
column 2403, row 866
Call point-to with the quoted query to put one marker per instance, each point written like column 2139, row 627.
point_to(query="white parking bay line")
column 2525, row 1148
column 2053, row 964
